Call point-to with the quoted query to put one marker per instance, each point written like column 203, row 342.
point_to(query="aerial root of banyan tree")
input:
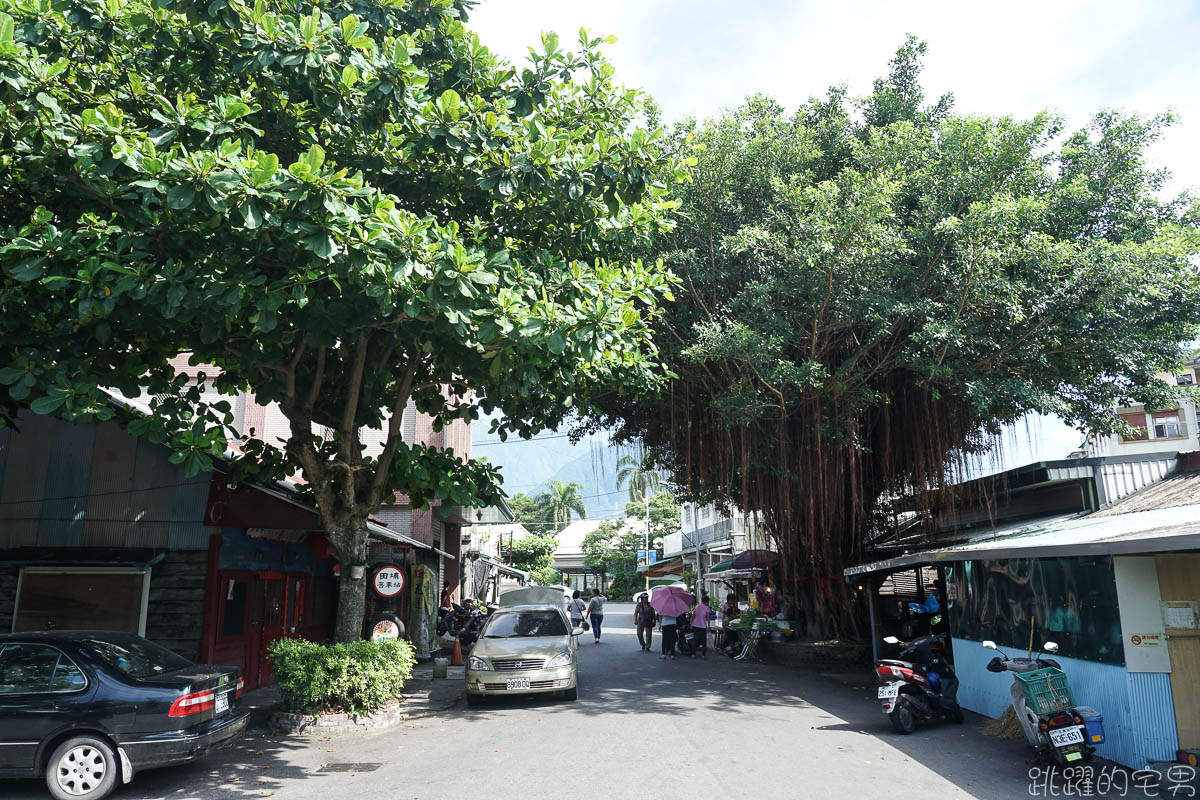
column 819, row 478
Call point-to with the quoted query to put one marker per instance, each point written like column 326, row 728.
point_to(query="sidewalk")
column 422, row 696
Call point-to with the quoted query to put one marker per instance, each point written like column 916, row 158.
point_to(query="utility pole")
column 646, row 538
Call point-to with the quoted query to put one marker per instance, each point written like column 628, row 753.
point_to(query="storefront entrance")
column 258, row 608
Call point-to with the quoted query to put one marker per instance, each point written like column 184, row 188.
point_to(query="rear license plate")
column 1065, row 736
column 516, row 683
column 222, row 703
column 889, row 692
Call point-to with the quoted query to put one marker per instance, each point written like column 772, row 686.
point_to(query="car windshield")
column 525, row 623
column 137, row 658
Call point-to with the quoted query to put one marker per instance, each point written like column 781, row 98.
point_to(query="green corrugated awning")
column 722, row 566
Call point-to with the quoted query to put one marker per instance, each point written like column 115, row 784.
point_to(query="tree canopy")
column 872, row 289
column 341, row 208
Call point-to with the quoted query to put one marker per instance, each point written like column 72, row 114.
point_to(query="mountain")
column 528, row 464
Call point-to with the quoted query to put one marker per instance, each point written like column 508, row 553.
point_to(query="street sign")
column 388, row 581
column 652, row 557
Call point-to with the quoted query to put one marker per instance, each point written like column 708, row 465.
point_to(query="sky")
column 697, row 57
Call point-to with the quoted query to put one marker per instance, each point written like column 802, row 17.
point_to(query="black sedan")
column 90, row 708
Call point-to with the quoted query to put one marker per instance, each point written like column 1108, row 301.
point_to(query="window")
column 1138, row 422
column 525, row 623
column 29, row 668
column 233, row 621
column 82, row 598
column 137, row 658
column 1167, row 424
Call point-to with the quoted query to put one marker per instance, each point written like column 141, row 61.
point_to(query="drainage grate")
column 351, row 766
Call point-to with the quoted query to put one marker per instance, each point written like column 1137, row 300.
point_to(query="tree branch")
column 383, row 464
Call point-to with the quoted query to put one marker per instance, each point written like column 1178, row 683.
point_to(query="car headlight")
column 477, row 663
column 560, row 660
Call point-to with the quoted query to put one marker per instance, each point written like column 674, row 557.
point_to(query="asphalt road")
column 642, row 728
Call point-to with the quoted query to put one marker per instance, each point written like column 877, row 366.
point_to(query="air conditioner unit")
column 1186, row 379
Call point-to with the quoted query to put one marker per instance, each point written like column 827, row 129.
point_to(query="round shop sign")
column 388, row 581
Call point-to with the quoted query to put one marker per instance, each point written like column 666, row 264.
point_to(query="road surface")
column 642, row 728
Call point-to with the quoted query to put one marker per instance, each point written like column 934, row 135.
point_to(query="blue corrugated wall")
column 1139, row 716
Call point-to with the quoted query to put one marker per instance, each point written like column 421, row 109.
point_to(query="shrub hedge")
column 354, row 678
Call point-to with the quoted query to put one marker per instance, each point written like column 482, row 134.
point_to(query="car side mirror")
column 891, row 640
column 578, row 632
column 1050, row 647
column 988, row 644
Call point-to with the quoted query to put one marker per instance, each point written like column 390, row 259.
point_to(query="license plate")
column 889, row 692
column 516, row 683
column 1065, row 736
column 222, row 703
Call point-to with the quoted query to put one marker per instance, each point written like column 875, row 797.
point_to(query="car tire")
column 82, row 768
column 902, row 719
column 572, row 693
column 474, row 700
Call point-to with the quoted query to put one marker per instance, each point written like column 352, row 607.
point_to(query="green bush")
column 356, row 678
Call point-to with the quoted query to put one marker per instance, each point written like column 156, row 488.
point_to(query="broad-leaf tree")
column 873, row 289
column 340, row 206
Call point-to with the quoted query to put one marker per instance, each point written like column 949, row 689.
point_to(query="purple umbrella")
column 671, row 601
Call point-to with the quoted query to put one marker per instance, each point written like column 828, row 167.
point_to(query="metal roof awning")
column 661, row 569
column 501, row 566
column 1163, row 530
column 385, row 534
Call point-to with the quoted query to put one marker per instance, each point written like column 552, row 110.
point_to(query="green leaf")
column 181, row 196
column 449, row 101
column 48, row 404
column 349, row 75
column 314, row 157
column 6, row 28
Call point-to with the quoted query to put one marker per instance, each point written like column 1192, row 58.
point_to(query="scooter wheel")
column 902, row 719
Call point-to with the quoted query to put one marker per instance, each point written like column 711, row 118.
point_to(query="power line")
column 487, row 442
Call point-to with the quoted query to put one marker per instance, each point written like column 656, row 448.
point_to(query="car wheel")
column 572, row 693
column 902, row 719
column 82, row 768
column 474, row 700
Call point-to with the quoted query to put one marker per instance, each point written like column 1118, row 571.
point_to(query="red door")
column 272, row 618
column 297, row 606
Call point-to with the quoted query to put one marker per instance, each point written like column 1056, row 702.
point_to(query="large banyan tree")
column 870, row 290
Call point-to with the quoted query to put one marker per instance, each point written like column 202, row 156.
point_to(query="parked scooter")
column 919, row 685
column 1061, row 732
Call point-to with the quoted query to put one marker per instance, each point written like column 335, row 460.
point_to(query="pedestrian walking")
column 575, row 609
column 700, row 626
column 595, row 613
column 644, row 617
column 669, row 635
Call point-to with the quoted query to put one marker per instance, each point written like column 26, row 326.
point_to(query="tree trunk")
column 350, row 542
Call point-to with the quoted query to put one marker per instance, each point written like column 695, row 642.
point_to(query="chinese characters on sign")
column 1179, row 780
column 388, row 581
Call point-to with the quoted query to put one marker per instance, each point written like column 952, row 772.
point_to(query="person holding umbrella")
column 670, row 602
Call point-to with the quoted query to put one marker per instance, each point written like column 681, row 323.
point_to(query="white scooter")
column 1059, row 731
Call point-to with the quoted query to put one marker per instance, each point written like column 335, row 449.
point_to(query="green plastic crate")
column 1046, row 690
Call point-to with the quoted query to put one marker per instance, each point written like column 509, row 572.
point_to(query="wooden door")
column 272, row 606
column 296, row 609
column 1179, row 579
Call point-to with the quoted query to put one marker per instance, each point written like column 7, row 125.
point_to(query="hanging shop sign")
column 388, row 581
